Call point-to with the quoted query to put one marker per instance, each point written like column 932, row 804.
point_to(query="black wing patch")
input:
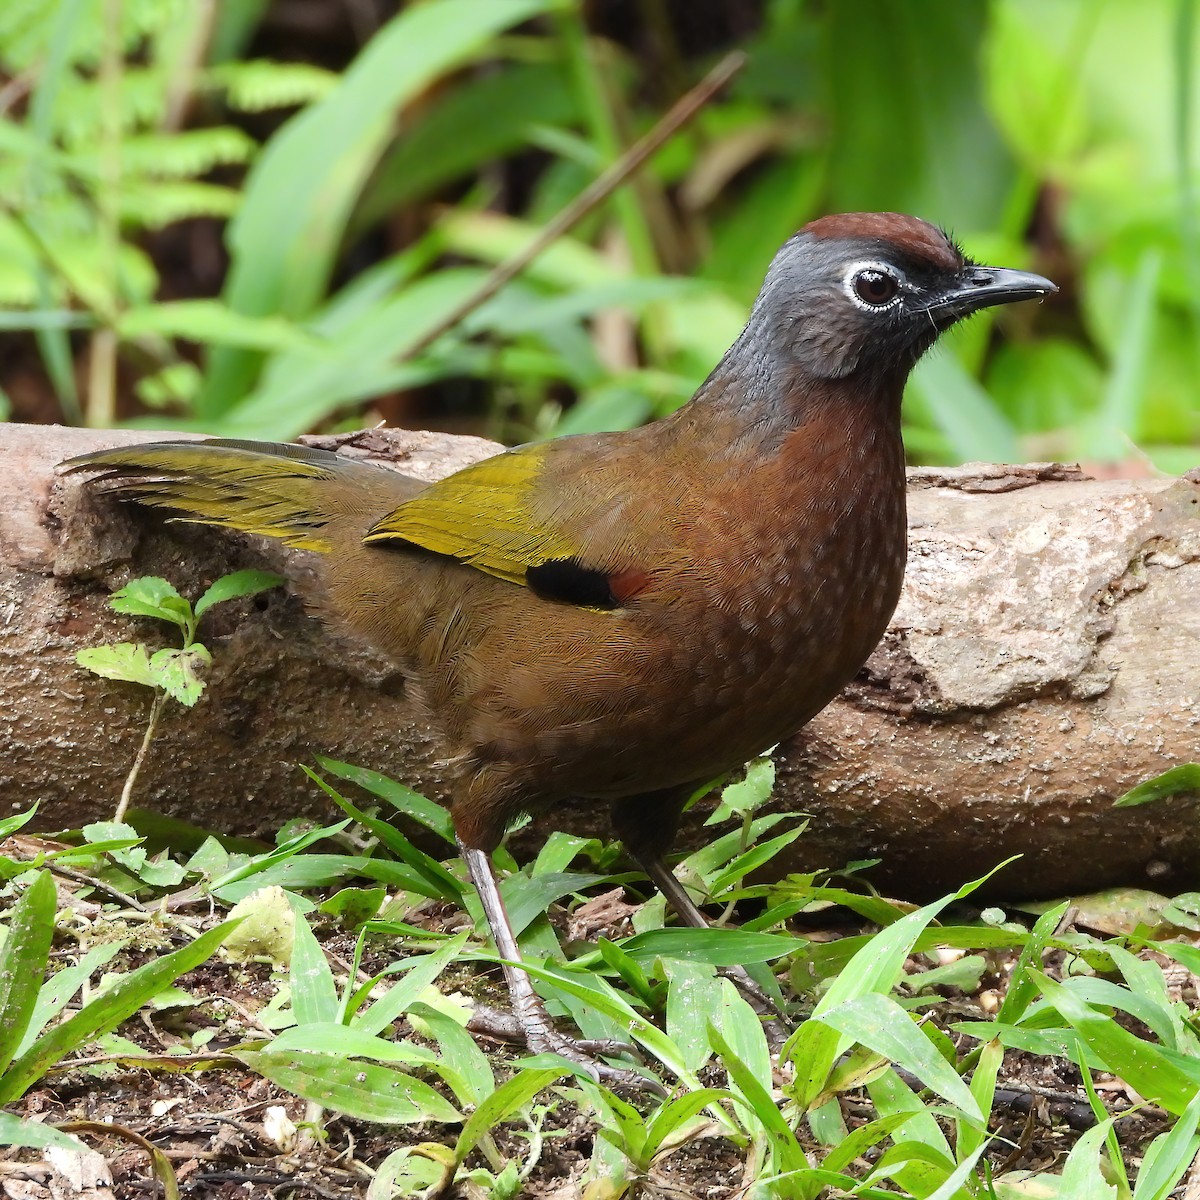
column 568, row 581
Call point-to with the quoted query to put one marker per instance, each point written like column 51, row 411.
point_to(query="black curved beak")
column 986, row 287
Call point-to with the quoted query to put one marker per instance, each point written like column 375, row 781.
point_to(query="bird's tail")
column 304, row 497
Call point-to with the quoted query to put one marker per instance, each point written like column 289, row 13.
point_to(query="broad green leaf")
column 107, row 1011
column 693, row 995
column 176, row 671
column 893, row 1097
column 974, row 427
column 1183, row 778
column 757, row 1100
column 432, row 815
column 23, row 962
column 718, row 947
column 300, row 872
column 878, row 1022
column 211, row 323
column 1161, row 1076
column 124, row 661
column 816, row 1046
column 463, row 1065
column 419, row 972
column 347, row 1041
column 501, row 1104
column 236, row 585
column 1126, row 394
column 354, row 906
column 363, row 1090
column 151, row 596
column 748, row 794
column 526, row 899
column 1082, row 1178
column 15, row 1131
column 1166, row 1161
column 314, row 991
column 10, row 825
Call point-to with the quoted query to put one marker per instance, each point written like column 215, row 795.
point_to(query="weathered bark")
column 1044, row 658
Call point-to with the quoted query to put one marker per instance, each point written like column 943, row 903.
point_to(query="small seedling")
column 173, row 673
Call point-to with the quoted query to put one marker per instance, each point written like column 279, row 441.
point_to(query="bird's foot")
column 540, row 1037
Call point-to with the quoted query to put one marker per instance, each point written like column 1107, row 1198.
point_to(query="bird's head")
column 870, row 292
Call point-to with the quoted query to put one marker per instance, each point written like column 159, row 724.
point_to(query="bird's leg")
column 646, row 824
column 528, row 1007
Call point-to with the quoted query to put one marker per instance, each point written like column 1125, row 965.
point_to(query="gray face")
column 843, row 305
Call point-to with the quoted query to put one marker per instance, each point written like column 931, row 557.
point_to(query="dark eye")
column 876, row 288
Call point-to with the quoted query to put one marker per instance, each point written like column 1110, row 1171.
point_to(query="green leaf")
column 124, row 661
column 354, row 906
column 57, row 991
column 313, row 989
column 1082, row 1178
column 419, row 972
column 815, row 1046
column 433, row 816
column 879, row 1023
column 236, row 585
column 15, row 1131
column 719, row 947
column 974, row 427
column 759, row 1102
column 23, row 962
column 1021, row 989
column 1161, row 1076
column 501, row 1104
column 176, row 671
column 363, row 1090
column 748, row 794
column 107, row 1011
column 693, row 995
column 151, row 596
column 527, row 899
column 10, row 825
column 1166, row 1161
column 441, row 882
column 1184, row 778
column 211, row 323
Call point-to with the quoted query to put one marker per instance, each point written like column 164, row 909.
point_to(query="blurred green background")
column 242, row 216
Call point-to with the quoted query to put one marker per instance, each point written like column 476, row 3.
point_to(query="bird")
column 625, row 617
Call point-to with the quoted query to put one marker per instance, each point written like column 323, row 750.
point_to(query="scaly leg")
column 528, row 1007
column 646, row 824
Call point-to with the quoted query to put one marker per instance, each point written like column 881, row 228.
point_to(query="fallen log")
column 1045, row 657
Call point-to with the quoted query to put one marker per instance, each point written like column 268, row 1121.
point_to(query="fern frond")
column 152, row 205
column 260, row 84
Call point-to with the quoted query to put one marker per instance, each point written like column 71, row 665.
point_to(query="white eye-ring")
column 872, row 286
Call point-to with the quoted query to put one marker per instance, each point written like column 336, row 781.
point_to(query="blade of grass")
column 23, row 963
column 108, row 1010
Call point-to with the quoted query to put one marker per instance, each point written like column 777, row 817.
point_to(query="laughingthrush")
column 623, row 617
